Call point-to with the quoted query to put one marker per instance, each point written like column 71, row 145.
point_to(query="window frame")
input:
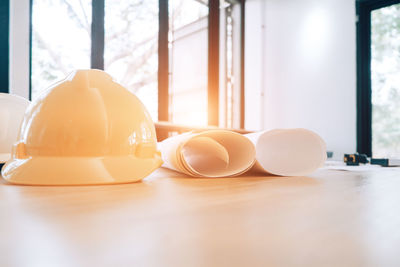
column 97, row 35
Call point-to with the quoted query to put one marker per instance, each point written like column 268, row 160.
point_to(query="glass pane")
column 184, row 12
column 385, row 76
column 131, row 43
column 60, row 40
column 230, row 66
column 188, row 61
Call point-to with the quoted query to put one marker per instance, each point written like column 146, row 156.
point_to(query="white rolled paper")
column 288, row 152
column 213, row 153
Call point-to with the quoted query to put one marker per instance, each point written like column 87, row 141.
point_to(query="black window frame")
column 364, row 90
column 4, row 45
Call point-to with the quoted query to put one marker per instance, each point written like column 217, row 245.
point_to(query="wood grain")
column 331, row 218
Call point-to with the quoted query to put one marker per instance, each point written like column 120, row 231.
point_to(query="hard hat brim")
column 79, row 170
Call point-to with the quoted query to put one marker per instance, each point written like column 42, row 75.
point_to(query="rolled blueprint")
column 213, row 153
column 288, row 152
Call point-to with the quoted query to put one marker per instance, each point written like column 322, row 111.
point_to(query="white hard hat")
column 86, row 129
column 12, row 109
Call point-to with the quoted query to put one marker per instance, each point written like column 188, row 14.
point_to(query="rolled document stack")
column 214, row 153
column 221, row 153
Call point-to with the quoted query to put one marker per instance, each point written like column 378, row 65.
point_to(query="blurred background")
column 332, row 66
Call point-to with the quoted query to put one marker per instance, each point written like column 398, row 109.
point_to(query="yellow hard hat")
column 85, row 129
column 12, row 109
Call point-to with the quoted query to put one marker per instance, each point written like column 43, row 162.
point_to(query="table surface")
column 330, row 218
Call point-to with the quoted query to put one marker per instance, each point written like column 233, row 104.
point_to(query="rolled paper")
column 288, row 152
column 213, row 153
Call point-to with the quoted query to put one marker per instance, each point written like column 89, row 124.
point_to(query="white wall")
column 254, row 64
column 302, row 65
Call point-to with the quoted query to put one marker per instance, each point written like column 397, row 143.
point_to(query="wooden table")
column 330, row 218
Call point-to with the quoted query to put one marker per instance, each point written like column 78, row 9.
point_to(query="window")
column 378, row 69
column 385, row 81
column 60, row 40
column 231, row 73
column 168, row 60
column 130, row 44
column 130, row 47
column 188, row 54
column 189, row 66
